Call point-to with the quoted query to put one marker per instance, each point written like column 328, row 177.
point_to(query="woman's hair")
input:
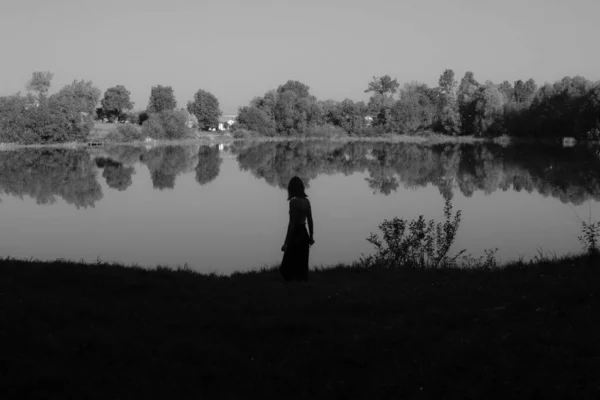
column 296, row 188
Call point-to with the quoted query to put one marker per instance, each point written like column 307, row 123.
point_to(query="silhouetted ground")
column 71, row 330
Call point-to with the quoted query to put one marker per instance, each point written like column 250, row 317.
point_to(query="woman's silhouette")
column 294, row 265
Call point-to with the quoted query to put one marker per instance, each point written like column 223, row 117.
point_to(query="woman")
column 294, row 265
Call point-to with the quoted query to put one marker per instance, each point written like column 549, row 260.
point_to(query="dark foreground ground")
column 70, row 330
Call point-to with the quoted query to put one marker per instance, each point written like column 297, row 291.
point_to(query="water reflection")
column 165, row 163
column 117, row 175
column 209, row 164
column 150, row 209
column 44, row 174
column 569, row 174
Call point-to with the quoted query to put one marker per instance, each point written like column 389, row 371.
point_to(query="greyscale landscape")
column 456, row 227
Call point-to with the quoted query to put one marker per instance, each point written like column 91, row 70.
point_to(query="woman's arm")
column 309, row 220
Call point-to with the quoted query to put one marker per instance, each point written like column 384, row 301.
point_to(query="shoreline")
column 216, row 139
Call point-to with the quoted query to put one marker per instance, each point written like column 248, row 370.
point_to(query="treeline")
column 569, row 107
column 69, row 115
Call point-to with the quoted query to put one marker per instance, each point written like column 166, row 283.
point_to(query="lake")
column 224, row 209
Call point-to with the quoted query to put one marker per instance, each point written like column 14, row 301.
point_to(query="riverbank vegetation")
column 71, row 174
column 69, row 116
column 567, row 108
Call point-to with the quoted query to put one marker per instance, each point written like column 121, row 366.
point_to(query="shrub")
column 371, row 131
column 166, row 125
column 125, row 133
column 28, row 120
column 244, row 134
column 328, row 131
column 590, row 234
column 416, row 243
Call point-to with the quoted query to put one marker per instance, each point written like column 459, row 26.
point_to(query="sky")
column 239, row 49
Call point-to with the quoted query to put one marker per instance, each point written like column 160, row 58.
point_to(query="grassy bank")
column 70, row 330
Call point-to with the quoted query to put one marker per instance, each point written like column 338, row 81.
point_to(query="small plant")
column 416, row 243
column 468, row 261
column 589, row 237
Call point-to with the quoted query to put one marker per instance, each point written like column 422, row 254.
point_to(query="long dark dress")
column 294, row 265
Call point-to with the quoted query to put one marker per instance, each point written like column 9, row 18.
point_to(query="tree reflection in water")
column 569, row 174
column 166, row 162
column 116, row 174
column 43, row 174
column 209, row 164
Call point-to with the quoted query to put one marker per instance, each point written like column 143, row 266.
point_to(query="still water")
column 224, row 209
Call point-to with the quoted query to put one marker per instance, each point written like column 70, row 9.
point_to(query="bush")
column 28, row 120
column 244, row 134
column 371, row 131
column 125, row 133
column 167, row 125
column 590, row 232
column 423, row 244
column 328, row 131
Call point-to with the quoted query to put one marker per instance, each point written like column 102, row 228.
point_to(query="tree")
column 295, row 114
column 524, row 91
column 116, row 100
column 168, row 125
column 507, row 90
column 447, row 84
column 300, row 89
column 416, row 108
column 466, row 93
column 77, row 103
column 382, row 100
column 255, row 119
column 383, row 85
column 161, row 99
column 40, row 82
column 206, row 108
column 351, row 116
column 79, row 97
column 267, row 103
column 489, row 103
column 588, row 120
column 448, row 111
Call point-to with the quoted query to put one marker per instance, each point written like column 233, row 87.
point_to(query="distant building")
column 225, row 121
column 31, row 104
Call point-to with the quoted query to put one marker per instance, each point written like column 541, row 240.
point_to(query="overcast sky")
column 238, row 49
